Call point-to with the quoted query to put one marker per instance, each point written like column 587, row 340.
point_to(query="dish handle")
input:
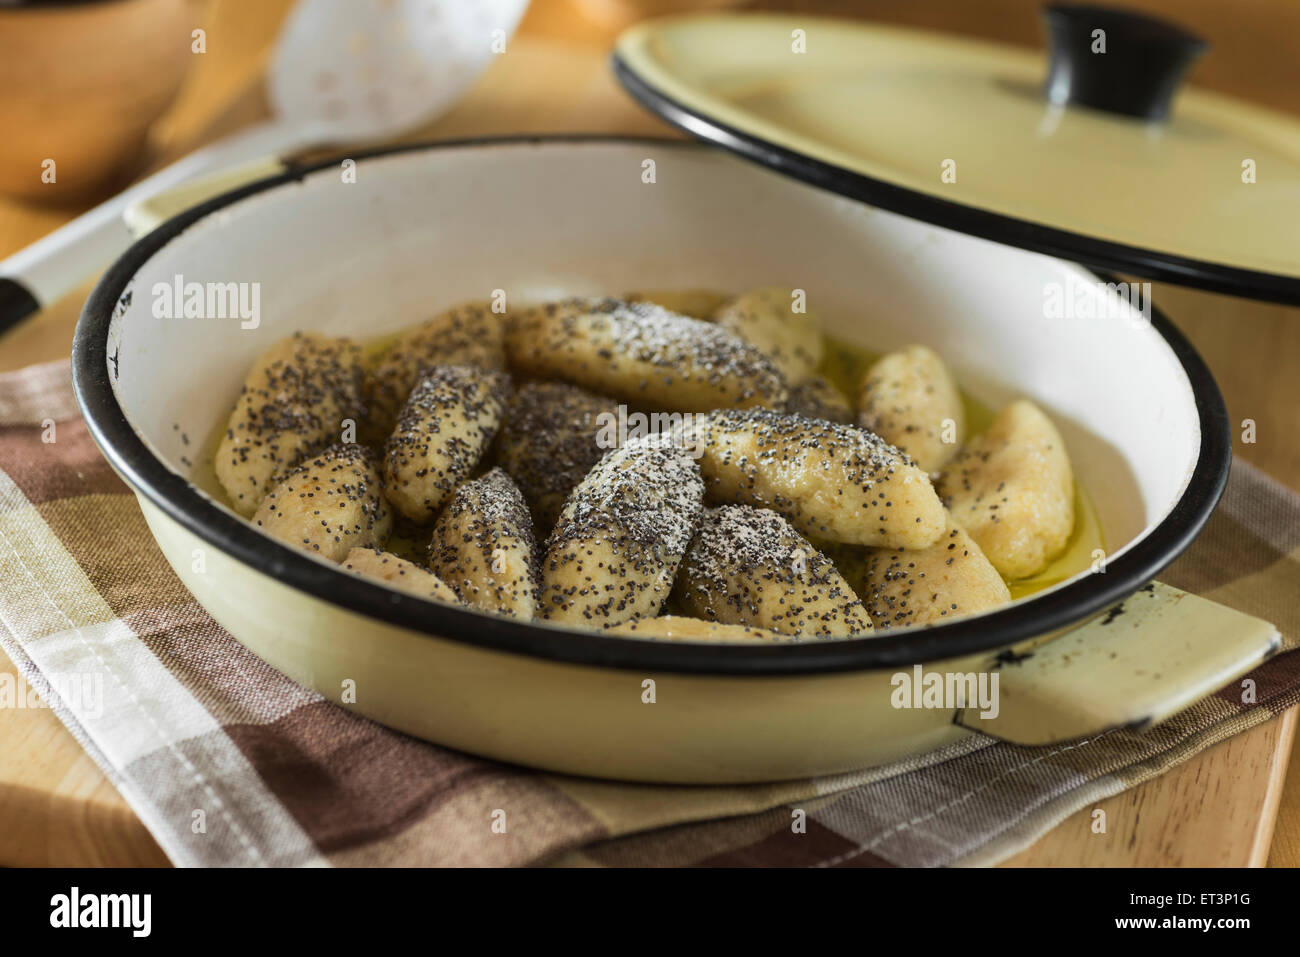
column 145, row 215
column 1145, row 659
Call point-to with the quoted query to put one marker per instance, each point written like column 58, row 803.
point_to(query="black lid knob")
column 1132, row 66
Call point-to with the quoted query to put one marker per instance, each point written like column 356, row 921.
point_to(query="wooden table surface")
column 1234, row 804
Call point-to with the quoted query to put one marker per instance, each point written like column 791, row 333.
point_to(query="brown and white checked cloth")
column 188, row 720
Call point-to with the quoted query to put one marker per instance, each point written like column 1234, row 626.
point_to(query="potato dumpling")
column 695, row 303
column 642, row 353
column 818, row 398
column 832, row 481
column 548, row 443
column 921, row 586
column 748, row 566
column 444, row 429
column 622, row 533
column 767, row 319
column 293, row 404
column 765, row 505
column 329, row 504
column 483, row 546
column 681, row 628
column 910, row 400
column 1012, row 489
column 388, row 569
column 466, row 335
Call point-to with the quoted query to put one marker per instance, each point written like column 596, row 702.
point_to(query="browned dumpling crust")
column 643, row 353
column 832, row 481
column 622, row 534
column 445, row 428
column 396, row 572
column 548, row 443
column 766, row 318
column 910, row 400
column 681, row 628
column 293, row 404
column 466, row 335
column 329, row 504
column 1012, row 489
column 923, row 586
column 748, row 566
column 483, row 546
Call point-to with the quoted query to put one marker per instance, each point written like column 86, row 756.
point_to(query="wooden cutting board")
column 1219, row 808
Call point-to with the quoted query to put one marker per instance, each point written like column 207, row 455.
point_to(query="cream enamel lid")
column 958, row 132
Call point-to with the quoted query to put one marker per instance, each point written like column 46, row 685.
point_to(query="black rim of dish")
column 1007, row 230
column 183, row 503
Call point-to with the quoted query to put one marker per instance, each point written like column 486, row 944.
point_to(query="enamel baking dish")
column 427, row 226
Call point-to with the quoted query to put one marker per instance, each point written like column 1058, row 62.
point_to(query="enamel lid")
column 1089, row 153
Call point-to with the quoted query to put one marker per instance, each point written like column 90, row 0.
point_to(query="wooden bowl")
column 83, row 83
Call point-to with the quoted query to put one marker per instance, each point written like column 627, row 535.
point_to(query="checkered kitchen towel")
column 191, row 721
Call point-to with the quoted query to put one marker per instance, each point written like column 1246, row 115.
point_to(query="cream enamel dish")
column 1083, row 152
column 426, row 226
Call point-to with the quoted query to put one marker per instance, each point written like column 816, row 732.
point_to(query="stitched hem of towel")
column 144, row 809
